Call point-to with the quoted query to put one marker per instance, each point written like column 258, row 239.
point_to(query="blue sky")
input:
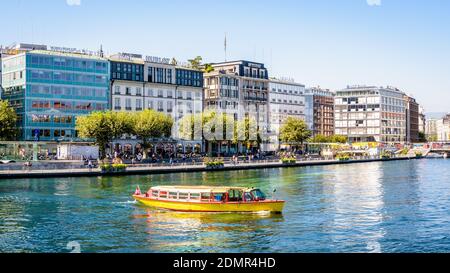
column 331, row 43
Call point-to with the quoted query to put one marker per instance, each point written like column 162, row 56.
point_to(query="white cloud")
column 370, row 2
column 73, row 2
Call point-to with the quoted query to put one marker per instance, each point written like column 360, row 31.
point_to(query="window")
column 128, row 104
column 138, row 104
column 117, row 104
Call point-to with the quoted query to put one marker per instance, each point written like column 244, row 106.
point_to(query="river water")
column 401, row 206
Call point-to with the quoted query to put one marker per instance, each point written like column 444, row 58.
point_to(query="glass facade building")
column 188, row 77
column 127, row 71
column 49, row 89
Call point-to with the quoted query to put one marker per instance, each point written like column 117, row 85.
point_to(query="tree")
column 151, row 124
column 329, row 139
column 174, row 61
column 208, row 68
column 320, row 139
column 8, row 121
column 196, row 63
column 95, row 126
column 422, row 137
column 104, row 127
column 246, row 132
column 294, row 131
column 339, row 139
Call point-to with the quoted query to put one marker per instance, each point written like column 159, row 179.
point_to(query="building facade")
column 422, row 120
column 319, row 111
column 369, row 113
column 239, row 87
column 438, row 129
column 286, row 99
column 412, row 119
column 50, row 88
column 140, row 83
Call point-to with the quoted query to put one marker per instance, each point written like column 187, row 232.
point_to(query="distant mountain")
column 435, row 115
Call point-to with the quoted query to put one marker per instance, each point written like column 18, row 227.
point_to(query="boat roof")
column 199, row 189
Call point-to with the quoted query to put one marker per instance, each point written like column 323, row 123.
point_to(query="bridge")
column 440, row 149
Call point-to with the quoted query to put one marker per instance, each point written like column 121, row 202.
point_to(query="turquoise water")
column 401, row 206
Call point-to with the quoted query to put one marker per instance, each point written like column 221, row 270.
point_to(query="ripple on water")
column 375, row 207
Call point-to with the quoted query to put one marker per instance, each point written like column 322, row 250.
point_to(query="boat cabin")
column 206, row 194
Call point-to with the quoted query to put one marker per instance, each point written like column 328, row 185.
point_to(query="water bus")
column 208, row 199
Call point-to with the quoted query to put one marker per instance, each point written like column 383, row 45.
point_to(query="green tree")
column 151, row 124
column 196, row 63
column 320, row 139
column 8, row 121
column 95, row 126
column 208, row 68
column 422, row 137
column 104, row 127
column 338, row 139
column 246, row 132
column 294, row 131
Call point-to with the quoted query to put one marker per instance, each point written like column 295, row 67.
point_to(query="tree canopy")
column 294, row 131
column 8, row 121
column 104, row 127
column 329, row 139
column 196, row 63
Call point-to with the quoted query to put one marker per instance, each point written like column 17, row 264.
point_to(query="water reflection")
column 376, row 207
column 357, row 207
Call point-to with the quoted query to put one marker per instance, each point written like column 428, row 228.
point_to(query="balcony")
column 255, row 99
column 118, row 108
column 128, row 108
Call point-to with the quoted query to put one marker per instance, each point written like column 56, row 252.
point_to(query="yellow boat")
column 208, row 199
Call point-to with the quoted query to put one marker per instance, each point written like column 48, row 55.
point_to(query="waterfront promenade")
column 177, row 168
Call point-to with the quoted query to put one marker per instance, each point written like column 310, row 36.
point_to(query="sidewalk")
column 146, row 170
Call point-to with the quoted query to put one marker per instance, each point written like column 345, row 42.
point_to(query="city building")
column 139, row 83
column 49, row 88
column 438, row 129
column 431, row 129
column 319, row 111
column 127, row 82
column 443, row 128
column 422, row 120
column 412, row 119
column 238, row 85
column 239, row 88
column 286, row 99
column 370, row 113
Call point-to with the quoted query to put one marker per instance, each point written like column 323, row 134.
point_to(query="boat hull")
column 261, row 206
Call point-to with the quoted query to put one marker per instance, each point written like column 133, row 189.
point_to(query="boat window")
column 219, row 197
column 258, row 195
column 183, row 195
column 195, row 196
column 205, row 196
column 163, row 194
column 155, row 193
column 234, row 195
column 248, row 197
column 173, row 195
